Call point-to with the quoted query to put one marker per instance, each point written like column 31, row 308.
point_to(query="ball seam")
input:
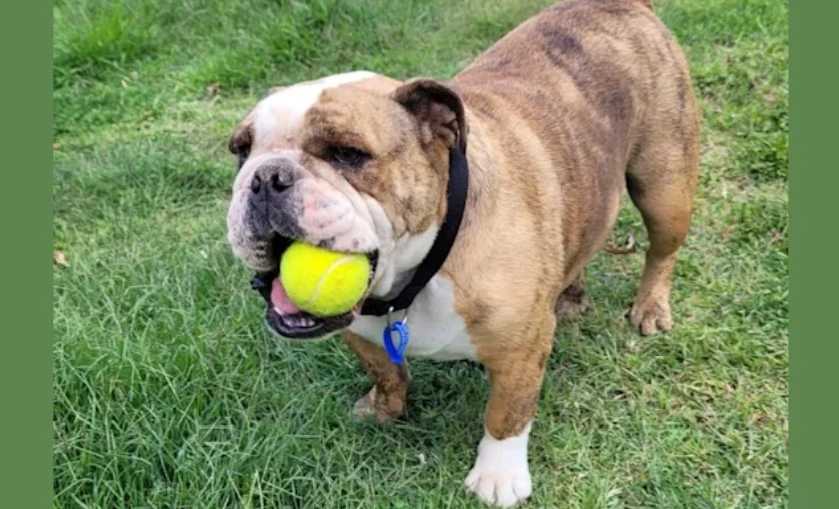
column 332, row 267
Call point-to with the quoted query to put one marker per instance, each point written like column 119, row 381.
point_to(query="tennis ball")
column 322, row 282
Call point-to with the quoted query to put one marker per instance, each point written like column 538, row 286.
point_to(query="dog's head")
column 354, row 162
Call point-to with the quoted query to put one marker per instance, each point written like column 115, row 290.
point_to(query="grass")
column 170, row 393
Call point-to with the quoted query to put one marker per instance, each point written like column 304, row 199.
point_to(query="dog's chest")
column 436, row 330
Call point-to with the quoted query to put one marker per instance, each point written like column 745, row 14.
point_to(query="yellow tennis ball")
column 322, row 282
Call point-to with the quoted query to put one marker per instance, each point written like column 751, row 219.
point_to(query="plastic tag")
column 396, row 351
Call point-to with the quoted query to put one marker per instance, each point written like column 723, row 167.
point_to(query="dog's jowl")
column 582, row 101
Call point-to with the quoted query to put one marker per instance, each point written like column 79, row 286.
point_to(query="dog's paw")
column 500, row 476
column 651, row 315
column 568, row 309
column 503, row 487
column 572, row 303
column 368, row 409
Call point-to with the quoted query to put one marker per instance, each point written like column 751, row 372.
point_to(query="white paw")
column 500, row 475
column 504, row 488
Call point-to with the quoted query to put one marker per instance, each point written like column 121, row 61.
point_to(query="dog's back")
column 600, row 78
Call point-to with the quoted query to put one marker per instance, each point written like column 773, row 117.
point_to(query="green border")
column 26, row 302
column 814, row 286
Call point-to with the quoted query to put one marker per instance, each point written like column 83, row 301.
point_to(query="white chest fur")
column 436, row 330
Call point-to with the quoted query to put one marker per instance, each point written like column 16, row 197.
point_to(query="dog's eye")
column 346, row 156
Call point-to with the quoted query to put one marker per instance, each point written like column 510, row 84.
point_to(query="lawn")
column 169, row 392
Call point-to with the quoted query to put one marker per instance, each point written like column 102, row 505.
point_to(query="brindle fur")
column 579, row 102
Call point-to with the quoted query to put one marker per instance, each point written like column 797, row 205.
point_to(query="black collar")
column 458, row 187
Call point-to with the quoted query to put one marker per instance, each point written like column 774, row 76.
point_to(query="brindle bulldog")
column 582, row 101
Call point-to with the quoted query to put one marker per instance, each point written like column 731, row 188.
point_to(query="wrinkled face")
column 352, row 163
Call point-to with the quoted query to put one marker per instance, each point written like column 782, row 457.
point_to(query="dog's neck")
column 457, row 190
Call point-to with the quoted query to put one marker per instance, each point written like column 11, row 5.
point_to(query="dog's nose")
column 256, row 183
column 273, row 178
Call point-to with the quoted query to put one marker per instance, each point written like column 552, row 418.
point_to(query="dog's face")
column 352, row 163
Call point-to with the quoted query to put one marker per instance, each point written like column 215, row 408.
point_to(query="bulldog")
column 545, row 130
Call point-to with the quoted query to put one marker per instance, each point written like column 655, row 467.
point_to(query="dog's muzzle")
column 284, row 317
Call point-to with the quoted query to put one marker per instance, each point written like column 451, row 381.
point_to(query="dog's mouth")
column 284, row 317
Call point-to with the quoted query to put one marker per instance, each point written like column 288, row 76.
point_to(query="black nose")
column 273, row 178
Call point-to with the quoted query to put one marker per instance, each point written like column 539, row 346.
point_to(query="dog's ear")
column 437, row 108
column 241, row 140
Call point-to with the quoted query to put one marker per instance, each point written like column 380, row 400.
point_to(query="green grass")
column 170, row 393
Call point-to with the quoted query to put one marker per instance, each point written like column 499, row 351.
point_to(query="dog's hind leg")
column 661, row 183
column 661, row 179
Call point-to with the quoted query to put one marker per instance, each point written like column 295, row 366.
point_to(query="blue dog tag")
column 396, row 352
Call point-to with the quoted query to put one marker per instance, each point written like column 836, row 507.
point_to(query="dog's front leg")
column 386, row 400
column 501, row 475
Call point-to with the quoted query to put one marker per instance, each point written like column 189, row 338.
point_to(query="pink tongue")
column 280, row 300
